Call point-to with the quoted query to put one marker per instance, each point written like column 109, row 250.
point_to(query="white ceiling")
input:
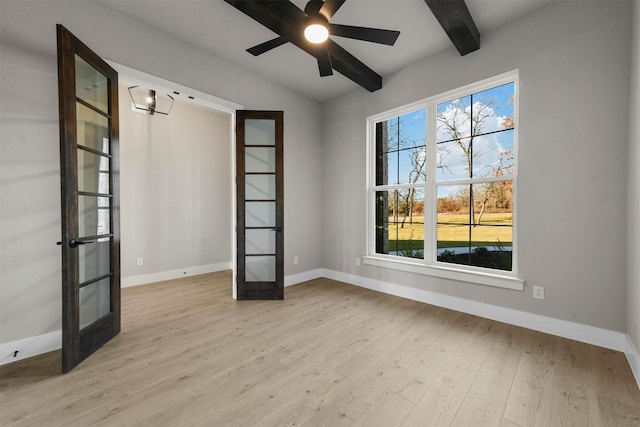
column 217, row 27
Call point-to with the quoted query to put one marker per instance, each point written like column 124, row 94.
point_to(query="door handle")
column 73, row 243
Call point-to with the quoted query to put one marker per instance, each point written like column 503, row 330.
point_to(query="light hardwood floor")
column 330, row 354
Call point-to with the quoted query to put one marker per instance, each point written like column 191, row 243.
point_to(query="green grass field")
column 489, row 232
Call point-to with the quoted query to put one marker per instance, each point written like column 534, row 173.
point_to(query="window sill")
column 481, row 278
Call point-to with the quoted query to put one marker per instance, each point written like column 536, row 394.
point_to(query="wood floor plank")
column 614, row 412
column 354, row 401
column 330, row 354
column 572, row 403
column 479, row 345
column 298, row 399
column 507, row 337
column 440, row 403
column 389, row 410
column 611, row 372
column 433, row 359
column 486, row 400
column 35, row 418
column 531, row 394
column 508, row 423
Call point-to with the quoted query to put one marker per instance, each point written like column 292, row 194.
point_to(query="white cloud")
column 486, row 148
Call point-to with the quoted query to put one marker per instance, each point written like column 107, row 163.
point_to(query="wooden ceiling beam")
column 455, row 19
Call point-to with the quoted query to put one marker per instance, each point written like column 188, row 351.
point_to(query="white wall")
column 633, row 219
column 574, row 73
column 30, row 290
column 175, row 179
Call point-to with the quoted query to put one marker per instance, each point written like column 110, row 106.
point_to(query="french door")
column 88, row 101
column 260, row 205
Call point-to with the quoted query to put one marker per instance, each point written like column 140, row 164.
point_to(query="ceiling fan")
column 310, row 29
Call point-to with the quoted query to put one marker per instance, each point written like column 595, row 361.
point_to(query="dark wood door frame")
column 254, row 290
column 78, row 344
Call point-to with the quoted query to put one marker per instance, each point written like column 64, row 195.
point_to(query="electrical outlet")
column 295, row 259
column 538, row 292
column 357, row 261
column 140, row 261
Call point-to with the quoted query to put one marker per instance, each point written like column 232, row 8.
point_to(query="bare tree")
column 451, row 125
column 461, row 125
column 398, row 139
column 492, row 190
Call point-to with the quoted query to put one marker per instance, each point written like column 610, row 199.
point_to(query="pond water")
column 459, row 250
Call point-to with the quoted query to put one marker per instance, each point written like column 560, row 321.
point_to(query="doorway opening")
column 177, row 184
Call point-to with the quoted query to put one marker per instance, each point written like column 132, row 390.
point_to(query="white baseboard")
column 143, row 279
column 588, row 334
column 294, row 279
column 633, row 356
column 29, row 347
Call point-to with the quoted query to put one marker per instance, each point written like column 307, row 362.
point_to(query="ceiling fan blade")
column 280, row 16
column 374, row 35
column 268, row 45
column 352, row 68
column 313, row 7
column 324, row 62
column 330, row 7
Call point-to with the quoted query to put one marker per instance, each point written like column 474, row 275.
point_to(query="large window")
column 442, row 177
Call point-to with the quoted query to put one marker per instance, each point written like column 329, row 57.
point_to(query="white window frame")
column 429, row 265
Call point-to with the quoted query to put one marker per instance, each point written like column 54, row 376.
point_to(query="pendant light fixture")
column 149, row 101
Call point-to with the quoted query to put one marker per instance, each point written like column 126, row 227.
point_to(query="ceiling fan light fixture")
column 316, row 33
column 310, row 30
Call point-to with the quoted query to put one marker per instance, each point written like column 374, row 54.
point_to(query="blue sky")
column 486, row 148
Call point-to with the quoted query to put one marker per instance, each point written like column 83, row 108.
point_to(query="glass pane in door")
column 260, row 214
column 260, row 187
column 260, row 269
column 260, row 132
column 260, row 241
column 93, row 216
column 260, row 159
column 91, row 85
column 93, row 128
column 94, row 259
column 93, row 172
column 95, row 301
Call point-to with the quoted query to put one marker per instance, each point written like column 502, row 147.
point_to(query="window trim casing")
column 429, row 264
